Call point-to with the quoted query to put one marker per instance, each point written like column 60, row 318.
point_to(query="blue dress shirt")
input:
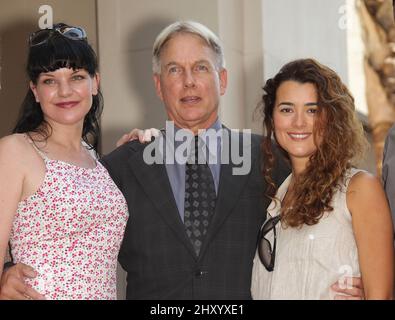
column 176, row 170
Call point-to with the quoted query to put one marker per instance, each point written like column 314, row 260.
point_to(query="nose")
column 64, row 89
column 299, row 120
column 189, row 79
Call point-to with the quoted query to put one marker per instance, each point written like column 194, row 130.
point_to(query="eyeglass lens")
column 39, row 37
column 73, row 33
column 265, row 250
column 42, row 36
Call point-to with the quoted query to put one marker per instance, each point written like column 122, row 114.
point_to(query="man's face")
column 190, row 84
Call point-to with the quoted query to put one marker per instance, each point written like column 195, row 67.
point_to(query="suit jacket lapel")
column 155, row 183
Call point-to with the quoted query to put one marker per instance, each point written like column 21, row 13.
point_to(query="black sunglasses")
column 265, row 251
column 42, row 36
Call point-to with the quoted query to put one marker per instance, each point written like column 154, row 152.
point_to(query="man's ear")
column 34, row 90
column 158, row 87
column 223, row 81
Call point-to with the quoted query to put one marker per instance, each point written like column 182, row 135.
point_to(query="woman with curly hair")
column 328, row 218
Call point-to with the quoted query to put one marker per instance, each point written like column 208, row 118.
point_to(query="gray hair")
column 187, row 27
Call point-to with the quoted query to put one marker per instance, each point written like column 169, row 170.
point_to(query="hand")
column 13, row 286
column 353, row 290
column 143, row 136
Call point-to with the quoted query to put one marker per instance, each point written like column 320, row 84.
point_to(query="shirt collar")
column 206, row 139
column 274, row 208
column 217, row 125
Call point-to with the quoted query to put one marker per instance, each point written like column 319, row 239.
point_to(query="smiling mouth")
column 299, row 136
column 191, row 100
column 67, row 105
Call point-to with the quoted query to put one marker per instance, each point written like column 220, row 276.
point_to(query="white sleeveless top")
column 310, row 259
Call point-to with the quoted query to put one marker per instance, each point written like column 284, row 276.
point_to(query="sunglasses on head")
column 265, row 251
column 42, row 36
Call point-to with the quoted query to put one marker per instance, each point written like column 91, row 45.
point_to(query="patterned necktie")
column 200, row 199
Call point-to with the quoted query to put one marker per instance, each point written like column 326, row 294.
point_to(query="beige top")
column 309, row 260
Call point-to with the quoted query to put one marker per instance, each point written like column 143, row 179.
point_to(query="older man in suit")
column 175, row 247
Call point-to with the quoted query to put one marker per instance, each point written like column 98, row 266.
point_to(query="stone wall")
column 379, row 37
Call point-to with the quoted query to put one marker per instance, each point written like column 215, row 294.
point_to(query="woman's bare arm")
column 11, row 187
column 372, row 225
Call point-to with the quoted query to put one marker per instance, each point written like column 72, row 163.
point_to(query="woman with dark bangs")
column 328, row 218
column 59, row 209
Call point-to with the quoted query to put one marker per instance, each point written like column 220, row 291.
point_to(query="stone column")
column 379, row 37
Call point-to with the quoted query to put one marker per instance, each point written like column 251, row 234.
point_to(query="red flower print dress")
column 70, row 231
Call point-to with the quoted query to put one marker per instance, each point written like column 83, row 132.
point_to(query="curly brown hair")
column 343, row 141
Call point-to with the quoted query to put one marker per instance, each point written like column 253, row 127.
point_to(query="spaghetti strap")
column 41, row 154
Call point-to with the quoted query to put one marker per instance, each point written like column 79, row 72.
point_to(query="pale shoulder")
column 364, row 191
column 15, row 149
column 363, row 181
column 12, row 143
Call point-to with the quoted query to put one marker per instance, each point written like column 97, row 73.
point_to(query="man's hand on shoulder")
column 143, row 136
